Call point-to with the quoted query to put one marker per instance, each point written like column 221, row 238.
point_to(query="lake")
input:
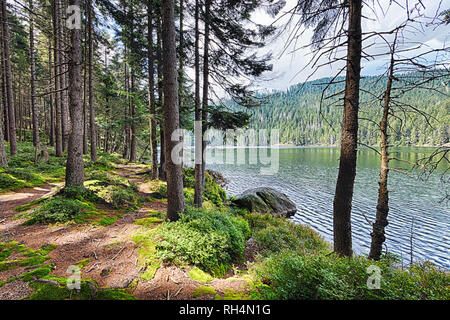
column 308, row 176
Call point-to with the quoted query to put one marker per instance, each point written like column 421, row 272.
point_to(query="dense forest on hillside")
column 298, row 114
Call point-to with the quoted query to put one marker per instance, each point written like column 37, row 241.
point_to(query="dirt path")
column 110, row 252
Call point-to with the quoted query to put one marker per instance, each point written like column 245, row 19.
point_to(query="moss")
column 147, row 222
column 37, row 273
column 23, row 172
column 106, row 221
column 30, row 257
column 204, row 290
column 56, row 289
column 230, row 294
column 115, row 294
column 148, row 260
column 83, row 263
column 29, row 205
column 199, row 275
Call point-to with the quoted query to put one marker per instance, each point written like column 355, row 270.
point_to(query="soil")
column 113, row 259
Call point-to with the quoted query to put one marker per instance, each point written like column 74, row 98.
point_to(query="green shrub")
column 162, row 190
column 189, row 177
column 293, row 276
column 212, row 192
column 122, row 197
column 59, row 209
column 275, row 234
column 207, row 239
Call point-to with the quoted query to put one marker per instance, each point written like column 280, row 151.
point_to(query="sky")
column 287, row 67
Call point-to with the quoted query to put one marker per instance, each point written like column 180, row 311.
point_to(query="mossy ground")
column 46, row 286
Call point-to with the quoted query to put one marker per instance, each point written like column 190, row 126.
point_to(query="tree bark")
column 93, row 129
column 75, row 167
column 342, row 204
column 205, row 84
column 56, row 67
column 62, row 80
column 132, row 118
column 162, row 154
column 3, row 106
column 151, row 93
column 52, row 111
column 126, row 147
column 85, row 92
column 34, row 109
column 175, row 195
column 8, row 81
column 198, row 186
column 381, row 222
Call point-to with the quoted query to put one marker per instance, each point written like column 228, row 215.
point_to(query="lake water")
column 308, row 176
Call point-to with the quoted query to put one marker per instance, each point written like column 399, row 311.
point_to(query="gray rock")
column 264, row 200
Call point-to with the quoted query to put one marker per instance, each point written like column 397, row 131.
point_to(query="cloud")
column 287, row 68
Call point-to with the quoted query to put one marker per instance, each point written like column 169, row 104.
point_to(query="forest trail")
column 108, row 253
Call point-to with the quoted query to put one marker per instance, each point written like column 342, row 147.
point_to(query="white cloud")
column 287, row 68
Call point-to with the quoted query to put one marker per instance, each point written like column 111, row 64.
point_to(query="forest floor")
column 108, row 254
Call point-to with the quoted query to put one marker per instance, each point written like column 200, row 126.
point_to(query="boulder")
column 264, row 200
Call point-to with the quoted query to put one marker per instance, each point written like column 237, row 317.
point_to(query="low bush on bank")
column 213, row 192
column 293, row 276
column 275, row 234
column 207, row 239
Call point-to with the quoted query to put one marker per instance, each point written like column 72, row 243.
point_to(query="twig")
column 179, row 290
column 123, row 248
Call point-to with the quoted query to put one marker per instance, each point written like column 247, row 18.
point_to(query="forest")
column 96, row 202
column 296, row 114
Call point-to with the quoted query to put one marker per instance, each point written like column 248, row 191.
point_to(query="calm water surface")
column 308, row 177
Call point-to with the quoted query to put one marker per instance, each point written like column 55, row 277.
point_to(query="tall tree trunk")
column 85, row 92
column 8, row 81
column 175, row 195
column 132, row 118
column 342, row 204
column 57, row 62
column 75, row 167
column 162, row 154
column 381, row 222
column 151, row 93
column 205, row 84
column 52, row 111
column 126, row 147
column 198, row 186
column 34, row 110
column 180, row 56
column 3, row 84
column 93, row 133
column 62, row 79
column 3, row 158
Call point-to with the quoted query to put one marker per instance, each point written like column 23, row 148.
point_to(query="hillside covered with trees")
column 303, row 119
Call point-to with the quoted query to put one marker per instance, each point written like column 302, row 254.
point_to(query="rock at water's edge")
column 265, row 199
